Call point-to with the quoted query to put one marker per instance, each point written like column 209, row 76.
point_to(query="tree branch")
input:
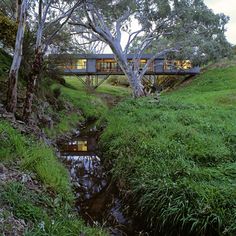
column 119, row 24
column 65, row 21
column 129, row 42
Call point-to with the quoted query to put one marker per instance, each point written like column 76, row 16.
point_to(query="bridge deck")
column 192, row 71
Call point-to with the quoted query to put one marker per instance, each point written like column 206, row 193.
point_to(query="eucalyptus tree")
column 195, row 32
column 50, row 18
column 189, row 28
column 13, row 74
column 87, row 43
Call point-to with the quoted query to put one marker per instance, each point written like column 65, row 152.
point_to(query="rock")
column 25, row 178
column 3, row 169
column 20, row 122
column 3, row 177
column 77, row 132
column 46, row 121
column 8, row 116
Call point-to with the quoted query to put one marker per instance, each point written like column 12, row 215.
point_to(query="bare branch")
column 69, row 12
column 131, row 39
column 63, row 23
column 46, row 12
column 119, row 24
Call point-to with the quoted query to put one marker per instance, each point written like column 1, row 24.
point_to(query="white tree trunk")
column 13, row 75
column 98, row 27
column 133, row 76
column 40, row 49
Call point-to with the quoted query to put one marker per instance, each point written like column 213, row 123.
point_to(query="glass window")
column 81, row 64
column 177, row 65
column 82, row 145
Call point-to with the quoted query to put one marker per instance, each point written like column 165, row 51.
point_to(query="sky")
column 228, row 7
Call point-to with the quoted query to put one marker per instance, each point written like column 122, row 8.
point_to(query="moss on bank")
column 178, row 156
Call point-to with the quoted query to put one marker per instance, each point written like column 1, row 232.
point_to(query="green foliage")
column 8, row 29
column 88, row 103
column 66, row 124
column 56, row 92
column 36, row 157
column 5, row 64
column 234, row 50
column 208, row 34
column 118, row 80
column 178, row 156
column 46, row 215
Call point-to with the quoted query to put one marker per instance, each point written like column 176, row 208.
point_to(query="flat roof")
column 101, row 56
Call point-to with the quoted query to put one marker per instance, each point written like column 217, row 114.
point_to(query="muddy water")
column 97, row 198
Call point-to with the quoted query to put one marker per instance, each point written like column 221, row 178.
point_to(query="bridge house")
column 104, row 64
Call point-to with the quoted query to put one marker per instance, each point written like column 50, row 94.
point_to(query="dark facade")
column 104, row 64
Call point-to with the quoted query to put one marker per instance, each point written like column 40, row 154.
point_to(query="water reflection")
column 97, row 199
column 86, row 171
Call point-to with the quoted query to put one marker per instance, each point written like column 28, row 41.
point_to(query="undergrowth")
column 90, row 105
column 5, row 64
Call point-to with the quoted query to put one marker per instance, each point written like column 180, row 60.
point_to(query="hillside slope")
column 178, row 156
column 36, row 196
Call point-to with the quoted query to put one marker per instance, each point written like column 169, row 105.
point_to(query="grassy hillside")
column 92, row 105
column 178, row 156
column 36, row 196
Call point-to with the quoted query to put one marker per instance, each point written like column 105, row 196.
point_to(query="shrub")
column 57, row 92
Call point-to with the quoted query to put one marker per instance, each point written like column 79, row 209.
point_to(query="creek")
column 97, row 198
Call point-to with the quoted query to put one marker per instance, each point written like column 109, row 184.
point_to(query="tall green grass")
column 178, row 156
column 34, row 156
column 44, row 214
column 66, row 123
column 83, row 106
column 88, row 103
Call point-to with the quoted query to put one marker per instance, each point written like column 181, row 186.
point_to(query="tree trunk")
column 18, row 10
column 132, row 75
column 31, row 83
column 137, row 87
column 12, row 91
column 13, row 75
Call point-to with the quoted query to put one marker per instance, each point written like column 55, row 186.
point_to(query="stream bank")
column 98, row 199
